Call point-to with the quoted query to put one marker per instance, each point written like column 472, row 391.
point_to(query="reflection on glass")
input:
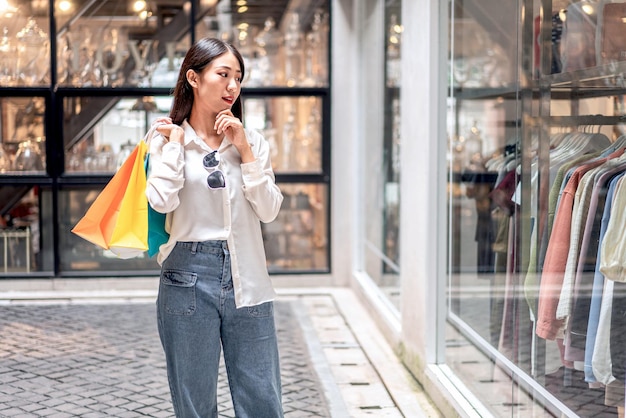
column 77, row 65
column 110, row 55
column 146, row 57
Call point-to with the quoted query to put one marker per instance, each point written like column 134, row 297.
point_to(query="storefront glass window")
column 381, row 158
column 536, row 133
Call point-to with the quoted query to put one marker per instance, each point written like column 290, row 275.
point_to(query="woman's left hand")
column 231, row 126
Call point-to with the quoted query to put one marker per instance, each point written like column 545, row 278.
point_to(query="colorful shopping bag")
column 118, row 219
column 157, row 235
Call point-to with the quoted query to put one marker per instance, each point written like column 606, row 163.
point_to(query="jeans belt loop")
column 194, row 247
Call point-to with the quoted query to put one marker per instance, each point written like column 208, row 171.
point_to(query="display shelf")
column 591, row 77
column 12, row 178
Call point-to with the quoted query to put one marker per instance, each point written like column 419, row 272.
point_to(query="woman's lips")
column 228, row 99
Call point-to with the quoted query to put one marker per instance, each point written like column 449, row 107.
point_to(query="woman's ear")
column 192, row 78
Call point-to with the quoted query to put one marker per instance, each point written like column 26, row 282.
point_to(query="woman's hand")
column 227, row 123
column 170, row 131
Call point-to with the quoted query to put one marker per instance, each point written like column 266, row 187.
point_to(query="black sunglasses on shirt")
column 216, row 179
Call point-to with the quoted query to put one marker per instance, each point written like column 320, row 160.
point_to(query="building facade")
column 485, row 184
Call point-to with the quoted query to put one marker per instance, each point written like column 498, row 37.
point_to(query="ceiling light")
column 144, row 14
column 65, row 6
column 242, row 9
column 139, row 5
column 588, row 8
column 6, row 9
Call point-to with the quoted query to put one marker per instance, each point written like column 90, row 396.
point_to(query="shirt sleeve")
column 259, row 186
column 165, row 174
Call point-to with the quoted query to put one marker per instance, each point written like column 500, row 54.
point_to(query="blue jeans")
column 196, row 312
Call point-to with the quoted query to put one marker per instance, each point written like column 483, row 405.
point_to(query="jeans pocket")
column 261, row 311
column 177, row 293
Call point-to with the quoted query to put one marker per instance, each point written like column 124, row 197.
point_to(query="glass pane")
column 25, row 232
column 381, row 168
column 485, row 312
column 281, row 45
column 104, row 148
column 293, row 127
column 298, row 239
column 530, row 169
column 108, row 43
column 23, row 142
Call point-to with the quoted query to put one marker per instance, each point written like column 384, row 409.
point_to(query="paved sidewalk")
column 99, row 355
column 94, row 360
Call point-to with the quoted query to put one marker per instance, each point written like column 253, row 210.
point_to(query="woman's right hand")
column 171, row 132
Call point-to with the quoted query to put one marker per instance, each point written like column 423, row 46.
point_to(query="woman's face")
column 218, row 86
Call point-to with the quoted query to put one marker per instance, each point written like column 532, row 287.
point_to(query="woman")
column 214, row 180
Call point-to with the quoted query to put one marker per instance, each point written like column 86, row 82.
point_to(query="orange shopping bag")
column 118, row 219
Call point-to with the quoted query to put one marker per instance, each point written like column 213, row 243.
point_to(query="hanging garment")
column 548, row 325
column 578, row 308
column 595, row 303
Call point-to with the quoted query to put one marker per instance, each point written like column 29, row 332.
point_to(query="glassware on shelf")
column 106, row 159
column 125, row 151
column 28, row 157
column 268, row 43
column 307, row 153
column 245, row 44
column 293, row 51
column 76, row 160
column 90, row 159
column 7, row 59
column 314, row 63
column 5, row 160
column 288, row 139
column 32, row 54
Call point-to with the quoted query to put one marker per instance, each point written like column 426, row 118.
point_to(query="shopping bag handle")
column 148, row 136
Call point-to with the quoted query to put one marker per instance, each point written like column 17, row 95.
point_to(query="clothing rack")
column 583, row 120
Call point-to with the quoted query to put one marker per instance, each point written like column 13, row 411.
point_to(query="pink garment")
column 548, row 326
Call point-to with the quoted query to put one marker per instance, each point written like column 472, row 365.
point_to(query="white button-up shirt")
column 177, row 186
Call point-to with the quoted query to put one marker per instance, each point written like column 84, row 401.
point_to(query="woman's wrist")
column 246, row 154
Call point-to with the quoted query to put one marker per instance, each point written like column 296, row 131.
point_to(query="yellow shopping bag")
column 118, row 219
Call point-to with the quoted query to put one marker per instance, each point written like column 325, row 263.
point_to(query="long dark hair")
column 198, row 57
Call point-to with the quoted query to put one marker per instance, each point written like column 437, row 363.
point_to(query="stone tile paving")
column 96, row 360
